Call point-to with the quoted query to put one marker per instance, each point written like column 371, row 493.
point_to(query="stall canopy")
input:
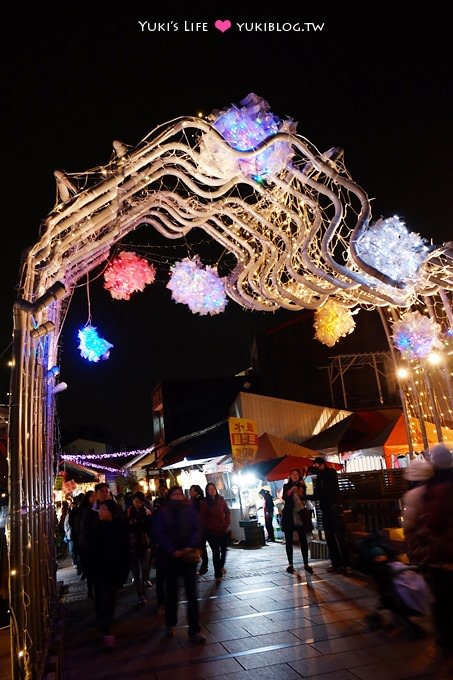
column 397, row 441
column 198, row 447
column 78, row 473
column 273, row 450
column 361, row 430
column 284, row 466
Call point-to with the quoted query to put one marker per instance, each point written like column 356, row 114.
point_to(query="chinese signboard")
column 244, row 441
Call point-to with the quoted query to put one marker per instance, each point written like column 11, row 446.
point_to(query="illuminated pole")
column 400, row 389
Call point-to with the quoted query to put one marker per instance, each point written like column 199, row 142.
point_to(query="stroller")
column 401, row 588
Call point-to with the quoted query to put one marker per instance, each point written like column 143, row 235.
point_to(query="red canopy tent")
column 286, row 464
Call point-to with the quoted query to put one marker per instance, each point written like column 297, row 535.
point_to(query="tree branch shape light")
column 126, row 274
column 91, row 346
column 199, row 288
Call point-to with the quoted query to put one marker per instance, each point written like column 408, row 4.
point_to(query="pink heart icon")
column 222, row 25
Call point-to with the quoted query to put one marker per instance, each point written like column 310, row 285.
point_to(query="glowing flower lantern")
column 392, row 249
column 416, row 335
column 126, row 274
column 332, row 322
column 91, row 346
column 244, row 128
column 200, row 288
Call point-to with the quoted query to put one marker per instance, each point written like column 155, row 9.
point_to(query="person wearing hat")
column 430, row 542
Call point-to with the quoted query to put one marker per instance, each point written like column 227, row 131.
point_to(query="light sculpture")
column 298, row 232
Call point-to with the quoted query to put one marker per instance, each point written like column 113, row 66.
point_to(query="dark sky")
column 376, row 81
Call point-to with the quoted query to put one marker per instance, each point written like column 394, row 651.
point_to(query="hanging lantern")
column 126, row 274
column 416, row 335
column 200, row 288
column 91, row 346
column 332, row 322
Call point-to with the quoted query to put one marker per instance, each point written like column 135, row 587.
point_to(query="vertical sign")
column 244, row 441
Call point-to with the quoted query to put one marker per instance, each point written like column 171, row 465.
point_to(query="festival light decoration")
column 91, row 346
column 290, row 230
column 126, row 274
column 416, row 335
column 389, row 247
column 198, row 287
column 244, row 128
column 332, row 322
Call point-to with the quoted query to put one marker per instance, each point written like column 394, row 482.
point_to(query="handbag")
column 306, row 518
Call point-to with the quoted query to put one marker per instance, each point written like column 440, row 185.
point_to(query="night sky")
column 376, row 80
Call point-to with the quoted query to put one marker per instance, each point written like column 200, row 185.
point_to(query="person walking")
column 197, row 498
column 327, row 492
column 294, row 518
column 138, row 520
column 177, row 528
column 108, row 559
column 430, row 542
column 81, row 527
column 215, row 521
column 268, row 508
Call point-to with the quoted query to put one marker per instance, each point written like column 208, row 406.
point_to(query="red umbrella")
column 286, row 464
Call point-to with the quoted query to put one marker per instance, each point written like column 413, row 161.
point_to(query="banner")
column 244, row 441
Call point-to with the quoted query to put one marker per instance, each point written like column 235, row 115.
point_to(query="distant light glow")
column 416, row 335
column 402, row 372
column 126, row 274
column 199, row 288
column 332, row 322
column 435, row 358
column 390, row 248
column 91, row 346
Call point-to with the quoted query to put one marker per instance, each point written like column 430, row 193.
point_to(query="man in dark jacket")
column 327, row 492
column 178, row 534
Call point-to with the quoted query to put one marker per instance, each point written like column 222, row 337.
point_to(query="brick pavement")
column 259, row 623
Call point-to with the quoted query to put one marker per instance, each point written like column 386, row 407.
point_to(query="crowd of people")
column 111, row 539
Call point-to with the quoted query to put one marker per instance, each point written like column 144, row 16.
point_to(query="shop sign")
column 244, row 441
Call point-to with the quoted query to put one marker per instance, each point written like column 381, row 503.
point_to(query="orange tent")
column 270, row 446
column 397, row 441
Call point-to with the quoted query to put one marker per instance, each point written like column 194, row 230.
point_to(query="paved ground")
column 259, row 623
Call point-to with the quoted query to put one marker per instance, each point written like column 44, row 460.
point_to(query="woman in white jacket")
column 418, row 472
